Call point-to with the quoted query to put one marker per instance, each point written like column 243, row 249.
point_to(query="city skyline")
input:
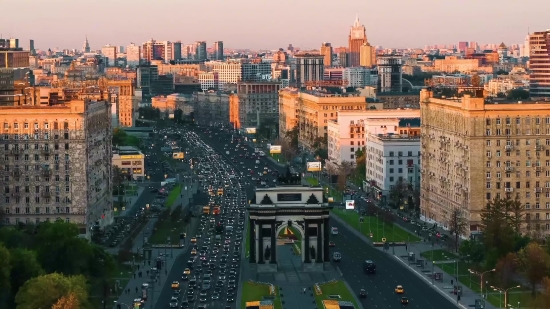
column 114, row 25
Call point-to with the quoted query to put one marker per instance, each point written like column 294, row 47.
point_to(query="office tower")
column 133, row 54
column 357, row 37
column 200, row 52
column 31, row 48
column 153, row 50
column 176, row 50
column 69, row 143
column 462, row 46
column 309, row 67
column 390, row 73
column 218, row 50
column 368, row 55
column 539, row 62
column 110, row 54
column 14, row 73
column 13, row 43
column 86, row 47
column 326, row 51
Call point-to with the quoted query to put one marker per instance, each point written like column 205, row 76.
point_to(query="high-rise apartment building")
column 14, row 73
column 367, row 55
column 154, row 50
column 200, row 51
column 539, row 62
column 133, row 54
column 326, row 51
column 309, row 67
column 110, row 53
column 218, row 51
column 474, row 150
column 31, row 48
column 176, row 51
column 462, row 46
column 56, row 161
column 357, row 37
column 254, row 103
column 390, row 73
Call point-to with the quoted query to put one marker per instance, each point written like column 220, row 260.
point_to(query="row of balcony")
column 42, row 194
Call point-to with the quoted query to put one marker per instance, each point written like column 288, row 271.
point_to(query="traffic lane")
column 163, row 299
column 389, row 274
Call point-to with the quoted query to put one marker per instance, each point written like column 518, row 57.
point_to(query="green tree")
column 458, row 225
column 46, row 290
column 178, row 115
column 14, row 238
column 5, row 270
column 24, row 266
column 61, row 250
column 401, row 190
column 473, row 249
column 518, row 94
column 516, row 213
column 498, row 235
column 534, row 262
column 292, row 136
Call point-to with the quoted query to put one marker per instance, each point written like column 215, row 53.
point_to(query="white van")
column 334, row 231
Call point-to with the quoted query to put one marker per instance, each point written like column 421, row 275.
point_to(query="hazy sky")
column 270, row 24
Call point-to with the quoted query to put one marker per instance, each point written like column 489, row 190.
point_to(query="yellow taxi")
column 399, row 289
column 194, row 239
column 194, row 252
column 187, row 271
column 175, row 285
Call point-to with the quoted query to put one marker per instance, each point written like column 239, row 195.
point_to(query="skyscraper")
column 200, row 52
column 326, row 51
column 31, row 48
column 218, row 50
column 110, row 53
column 539, row 61
column 390, row 74
column 86, row 47
column 133, row 54
column 309, row 67
column 368, row 55
column 357, row 37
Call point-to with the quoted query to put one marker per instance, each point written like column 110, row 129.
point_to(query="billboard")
column 178, row 155
column 313, row 166
column 350, row 204
column 274, row 149
column 250, row 130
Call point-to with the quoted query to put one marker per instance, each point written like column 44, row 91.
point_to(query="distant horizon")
column 306, row 24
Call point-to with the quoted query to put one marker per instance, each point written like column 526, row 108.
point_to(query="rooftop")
column 394, row 137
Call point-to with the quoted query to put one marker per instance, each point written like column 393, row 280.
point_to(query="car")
column 187, row 271
column 363, row 293
column 173, row 302
column 185, row 278
column 175, row 285
column 216, row 295
column 399, row 289
column 193, row 239
column 331, row 244
column 193, row 252
column 184, row 305
column 404, row 301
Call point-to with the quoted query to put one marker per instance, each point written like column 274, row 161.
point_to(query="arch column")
column 326, row 235
column 260, row 243
column 252, row 241
column 305, row 252
column 273, row 249
column 319, row 251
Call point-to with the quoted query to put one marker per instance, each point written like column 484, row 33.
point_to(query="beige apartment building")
column 55, row 161
column 474, row 150
column 313, row 110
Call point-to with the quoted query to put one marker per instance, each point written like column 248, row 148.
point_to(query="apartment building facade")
column 474, row 150
column 56, row 163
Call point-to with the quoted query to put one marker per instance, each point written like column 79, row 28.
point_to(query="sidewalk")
column 131, row 201
column 443, row 287
column 156, row 284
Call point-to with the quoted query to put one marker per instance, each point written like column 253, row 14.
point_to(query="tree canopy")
column 45, row 291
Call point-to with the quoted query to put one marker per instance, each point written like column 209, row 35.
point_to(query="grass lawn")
column 312, row 181
column 334, row 193
column 173, row 196
column 523, row 295
column 254, row 292
column 375, row 226
column 334, row 288
column 168, row 227
column 278, row 157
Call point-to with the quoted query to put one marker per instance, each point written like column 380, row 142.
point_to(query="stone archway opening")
column 290, row 245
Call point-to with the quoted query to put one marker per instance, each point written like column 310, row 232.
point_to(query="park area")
column 467, row 279
column 333, row 291
column 169, row 225
column 374, row 226
column 173, row 196
column 330, row 190
column 253, row 292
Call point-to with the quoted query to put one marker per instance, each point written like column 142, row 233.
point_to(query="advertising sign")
column 250, row 130
column 313, row 166
column 178, row 155
column 350, row 204
column 274, row 149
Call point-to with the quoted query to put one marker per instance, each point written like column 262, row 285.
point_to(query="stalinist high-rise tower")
column 357, row 37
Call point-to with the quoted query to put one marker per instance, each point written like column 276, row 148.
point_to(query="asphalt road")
column 389, row 273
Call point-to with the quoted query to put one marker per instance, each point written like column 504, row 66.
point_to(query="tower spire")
column 356, row 19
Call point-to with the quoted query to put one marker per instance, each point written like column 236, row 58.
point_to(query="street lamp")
column 480, row 274
column 505, row 291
